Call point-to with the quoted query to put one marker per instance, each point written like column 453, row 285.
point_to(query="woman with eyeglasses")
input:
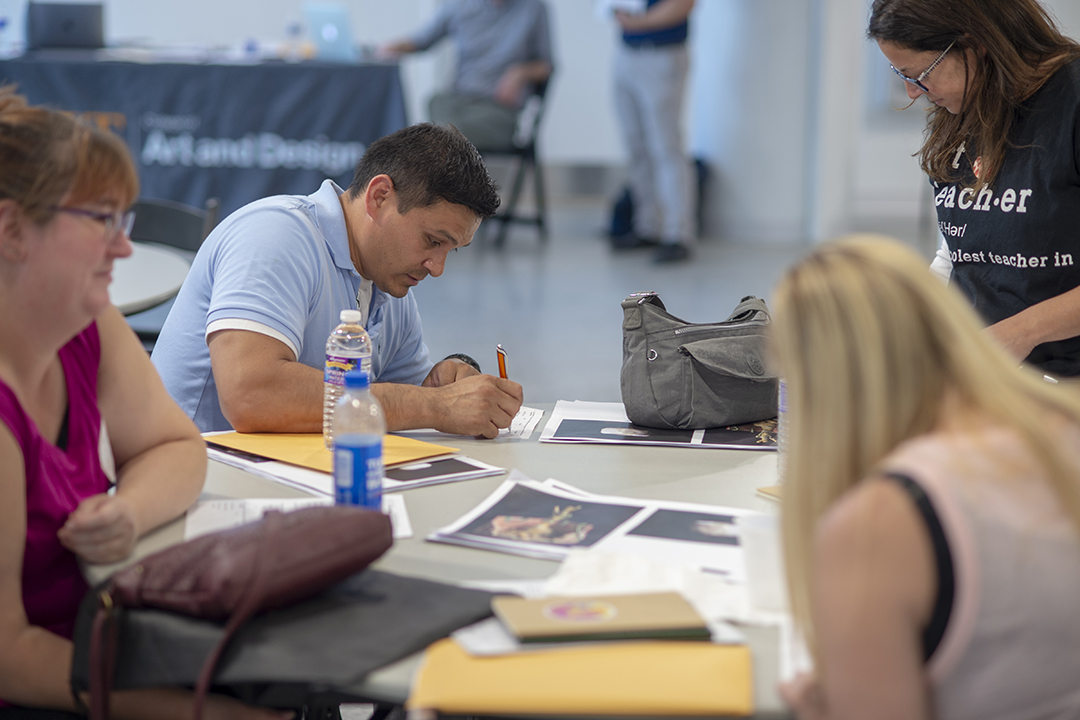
column 931, row 514
column 1002, row 149
column 80, row 405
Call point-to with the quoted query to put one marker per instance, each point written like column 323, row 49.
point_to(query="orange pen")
column 502, row 361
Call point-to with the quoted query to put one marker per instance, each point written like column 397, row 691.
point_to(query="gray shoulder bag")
column 684, row 375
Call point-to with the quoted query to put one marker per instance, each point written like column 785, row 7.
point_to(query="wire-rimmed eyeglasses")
column 917, row 81
column 115, row 222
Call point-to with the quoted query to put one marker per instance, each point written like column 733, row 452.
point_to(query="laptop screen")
column 328, row 27
column 64, row 25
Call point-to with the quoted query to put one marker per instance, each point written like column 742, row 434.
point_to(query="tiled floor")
column 555, row 307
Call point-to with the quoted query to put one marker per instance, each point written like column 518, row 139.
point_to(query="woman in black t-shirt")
column 1002, row 149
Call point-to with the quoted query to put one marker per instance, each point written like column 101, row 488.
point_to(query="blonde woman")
column 932, row 504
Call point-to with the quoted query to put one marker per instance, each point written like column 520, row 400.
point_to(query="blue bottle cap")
column 356, row 379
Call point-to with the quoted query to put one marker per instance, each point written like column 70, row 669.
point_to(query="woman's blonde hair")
column 47, row 157
column 870, row 344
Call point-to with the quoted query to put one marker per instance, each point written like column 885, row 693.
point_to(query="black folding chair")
column 524, row 149
column 174, row 223
column 177, row 225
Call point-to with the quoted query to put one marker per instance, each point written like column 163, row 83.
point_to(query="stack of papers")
column 606, row 423
column 302, row 460
column 549, row 520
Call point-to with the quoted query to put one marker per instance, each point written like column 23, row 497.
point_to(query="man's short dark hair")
column 429, row 163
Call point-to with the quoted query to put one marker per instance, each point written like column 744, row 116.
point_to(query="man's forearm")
column 535, row 71
column 661, row 15
column 287, row 398
column 406, row 407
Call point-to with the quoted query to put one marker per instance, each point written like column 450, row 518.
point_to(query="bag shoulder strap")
column 749, row 308
column 104, row 631
column 247, row 606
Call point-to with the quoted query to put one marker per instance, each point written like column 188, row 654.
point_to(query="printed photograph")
column 758, row 434
column 424, row 470
column 528, row 515
column 692, row 526
column 603, row 430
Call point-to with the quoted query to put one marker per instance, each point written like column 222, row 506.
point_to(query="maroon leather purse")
column 235, row 574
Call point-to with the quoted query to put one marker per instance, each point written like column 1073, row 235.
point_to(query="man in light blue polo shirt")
column 503, row 51
column 243, row 347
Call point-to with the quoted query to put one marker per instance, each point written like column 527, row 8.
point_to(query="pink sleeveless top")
column 56, row 482
column 1011, row 649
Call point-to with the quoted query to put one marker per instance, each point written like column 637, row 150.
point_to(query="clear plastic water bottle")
column 293, row 41
column 359, row 427
column 781, row 431
column 347, row 348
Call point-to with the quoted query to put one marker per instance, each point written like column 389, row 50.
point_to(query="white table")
column 150, row 276
column 718, row 477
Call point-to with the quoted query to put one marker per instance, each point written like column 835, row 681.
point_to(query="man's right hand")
column 477, row 405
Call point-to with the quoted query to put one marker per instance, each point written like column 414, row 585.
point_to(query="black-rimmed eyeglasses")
column 115, row 222
column 917, row 81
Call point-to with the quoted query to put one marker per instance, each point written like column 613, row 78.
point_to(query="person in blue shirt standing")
column 503, row 53
column 651, row 68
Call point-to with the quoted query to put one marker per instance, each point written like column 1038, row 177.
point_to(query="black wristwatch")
column 465, row 359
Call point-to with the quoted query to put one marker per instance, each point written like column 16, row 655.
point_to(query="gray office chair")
column 177, row 225
column 524, row 149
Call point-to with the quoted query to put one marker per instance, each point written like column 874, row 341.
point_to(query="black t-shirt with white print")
column 1017, row 243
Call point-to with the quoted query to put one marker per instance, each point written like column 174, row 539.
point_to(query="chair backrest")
column 173, row 223
column 528, row 124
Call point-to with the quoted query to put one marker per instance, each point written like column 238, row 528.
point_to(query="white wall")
column 750, row 99
column 782, row 98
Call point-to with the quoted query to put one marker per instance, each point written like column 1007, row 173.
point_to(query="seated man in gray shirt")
column 503, row 49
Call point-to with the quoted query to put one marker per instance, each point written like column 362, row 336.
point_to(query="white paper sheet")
column 523, row 424
column 604, row 8
column 208, row 516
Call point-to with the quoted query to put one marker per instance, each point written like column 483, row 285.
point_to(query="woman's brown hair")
column 48, row 157
column 1016, row 46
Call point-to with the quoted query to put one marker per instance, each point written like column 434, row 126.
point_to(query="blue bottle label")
column 358, row 470
column 336, row 367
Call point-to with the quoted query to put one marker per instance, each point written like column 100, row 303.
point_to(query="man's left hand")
column 511, row 87
column 448, row 371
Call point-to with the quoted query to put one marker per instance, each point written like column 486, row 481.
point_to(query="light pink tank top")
column 1011, row 650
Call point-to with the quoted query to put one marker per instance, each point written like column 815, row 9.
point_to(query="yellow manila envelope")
column 309, row 450
column 662, row 678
